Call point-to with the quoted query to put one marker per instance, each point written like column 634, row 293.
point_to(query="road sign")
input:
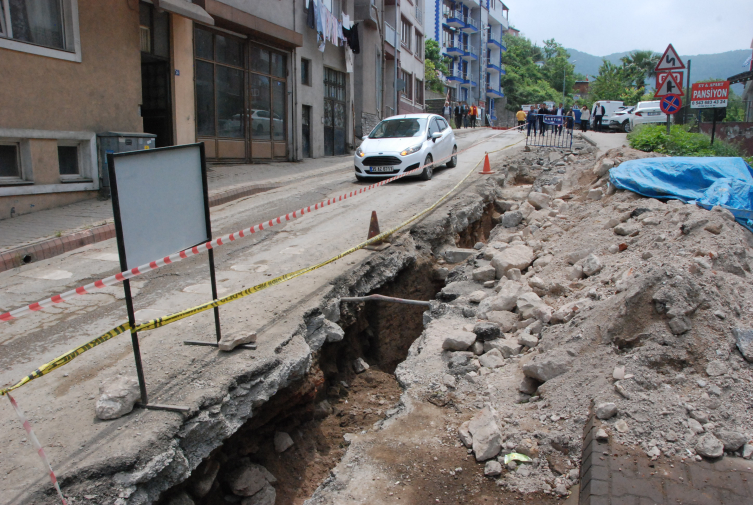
column 708, row 95
column 669, row 87
column 669, row 60
column 662, row 76
column 671, row 104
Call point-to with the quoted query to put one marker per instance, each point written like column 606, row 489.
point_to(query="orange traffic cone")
column 373, row 232
column 487, row 167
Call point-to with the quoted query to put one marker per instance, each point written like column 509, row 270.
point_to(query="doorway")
column 156, row 105
column 306, row 130
column 334, row 112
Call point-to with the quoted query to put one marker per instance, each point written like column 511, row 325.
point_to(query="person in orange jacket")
column 473, row 115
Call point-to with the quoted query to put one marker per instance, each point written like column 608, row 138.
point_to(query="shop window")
column 10, row 168
column 205, row 98
column 220, row 85
column 68, row 161
column 259, row 60
column 278, row 65
column 305, row 71
column 260, row 107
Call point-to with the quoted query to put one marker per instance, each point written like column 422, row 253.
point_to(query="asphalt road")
column 61, row 403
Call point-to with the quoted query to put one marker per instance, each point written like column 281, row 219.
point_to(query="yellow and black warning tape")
column 171, row 318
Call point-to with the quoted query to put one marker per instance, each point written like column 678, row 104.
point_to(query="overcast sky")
column 602, row 27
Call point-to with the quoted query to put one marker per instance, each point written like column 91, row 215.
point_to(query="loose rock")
column 283, row 441
column 117, row 397
column 360, row 366
column 709, row 446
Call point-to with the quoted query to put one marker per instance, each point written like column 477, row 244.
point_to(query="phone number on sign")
column 709, row 102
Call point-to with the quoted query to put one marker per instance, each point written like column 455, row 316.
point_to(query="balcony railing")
column 453, row 17
column 453, row 48
column 469, row 53
column 390, row 35
column 494, row 65
column 419, row 14
column 470, row 25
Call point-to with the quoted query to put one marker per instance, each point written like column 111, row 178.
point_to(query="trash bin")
column 118, row 142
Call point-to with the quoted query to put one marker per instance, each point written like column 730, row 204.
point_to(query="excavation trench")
column 332, row 400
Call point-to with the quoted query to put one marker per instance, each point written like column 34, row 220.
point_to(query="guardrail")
column 390, row 35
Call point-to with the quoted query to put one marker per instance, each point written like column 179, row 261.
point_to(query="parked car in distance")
column 610, row 107
column 647, row 112
column 403, row 143
column 621, row 119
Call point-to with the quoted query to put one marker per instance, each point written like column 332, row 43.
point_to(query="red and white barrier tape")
column 37, row 446
column 174, row 258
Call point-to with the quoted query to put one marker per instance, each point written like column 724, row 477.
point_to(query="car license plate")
column 381, row 169
column 653, row 113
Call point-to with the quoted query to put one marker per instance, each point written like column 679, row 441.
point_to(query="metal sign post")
column 160, row 205
column 670, row 104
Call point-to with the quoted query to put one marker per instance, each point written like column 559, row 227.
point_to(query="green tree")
column 527, row 83
column 434, row 63
column 615, row 82
column 639, row 66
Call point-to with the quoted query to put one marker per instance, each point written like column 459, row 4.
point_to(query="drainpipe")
column 295, row 93
column 397, row 15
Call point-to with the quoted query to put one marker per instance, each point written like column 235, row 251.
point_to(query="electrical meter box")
column 119, row 142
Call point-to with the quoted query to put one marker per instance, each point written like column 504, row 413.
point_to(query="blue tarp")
column 706, row 182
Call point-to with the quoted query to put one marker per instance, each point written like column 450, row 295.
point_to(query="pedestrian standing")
column 576, row 112
column 464, row 111
column 474, row 114
column 599, row 112
column 560, row 111
column 521, row 116
column 447, row 111
column 532, row 120
column 570, row 119
column 543, row 111
column 458, row 116
column 585, row 115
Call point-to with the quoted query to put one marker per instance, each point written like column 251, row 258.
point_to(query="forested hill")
column 704, row 67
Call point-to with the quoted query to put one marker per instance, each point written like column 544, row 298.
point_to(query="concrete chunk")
column 230, row 342
column 459, row 341
column 457, row 255
column 485, row 273
column 117, row 397
column 517, row 256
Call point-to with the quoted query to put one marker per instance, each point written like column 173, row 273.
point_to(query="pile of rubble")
column 587, row 300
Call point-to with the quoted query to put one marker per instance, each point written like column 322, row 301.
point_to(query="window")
column 419, row 45
column 154, row 31
column 40, row 26
column 408, row 89
column 419, row 92
column 305, row 71
column 434, row 126
column 443, row 124
column 219, row 85
column 68, row 161
column 447, row 37
column 10, row 168
column 405, row 33
column 378, row 67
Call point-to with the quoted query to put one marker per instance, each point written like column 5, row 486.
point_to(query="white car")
column 647, row 112
column 610, row 107
column 620, row 120
column 403, row 143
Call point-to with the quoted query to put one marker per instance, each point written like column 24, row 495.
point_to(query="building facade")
column 250, row 79
column 469, row 32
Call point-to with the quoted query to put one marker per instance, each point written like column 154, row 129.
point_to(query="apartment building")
column 470, row 32
column 250, row 79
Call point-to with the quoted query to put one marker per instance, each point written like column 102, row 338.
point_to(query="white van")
column 610, row 107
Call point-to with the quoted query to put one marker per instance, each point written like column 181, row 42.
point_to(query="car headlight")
column 360, row 153
column 411, row 150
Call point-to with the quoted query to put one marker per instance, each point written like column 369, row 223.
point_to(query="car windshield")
column 399, row 128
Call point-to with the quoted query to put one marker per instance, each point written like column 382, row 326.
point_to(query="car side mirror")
column 435, row 135
column 364, row 137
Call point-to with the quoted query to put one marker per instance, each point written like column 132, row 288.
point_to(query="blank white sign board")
column 160, row 199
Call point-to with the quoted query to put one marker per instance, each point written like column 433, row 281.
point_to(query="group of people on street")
column 534, row 118
column 465, row 116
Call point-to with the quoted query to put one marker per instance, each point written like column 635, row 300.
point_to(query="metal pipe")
column 383, row 298
column 397, row 27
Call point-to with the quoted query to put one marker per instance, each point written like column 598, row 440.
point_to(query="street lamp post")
column 564, row 74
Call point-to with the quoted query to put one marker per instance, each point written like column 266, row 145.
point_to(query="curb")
column 52, row 247
column 586, row 139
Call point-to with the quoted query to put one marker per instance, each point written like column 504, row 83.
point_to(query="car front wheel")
column 454, row 160
column 626, row 127
column 428, row 169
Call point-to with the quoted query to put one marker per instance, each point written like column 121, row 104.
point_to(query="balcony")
column 390, row 36
column 470, row 26
column 494, row 93
column 495, row 67
column 453, row 18
column 469, row 53
column 455, row 76
column 419, row 14
column 493, row 42
column 453, row 49
column 471, row 4
column 467, row 83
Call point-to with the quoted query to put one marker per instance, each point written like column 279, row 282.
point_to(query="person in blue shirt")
column 576, row 111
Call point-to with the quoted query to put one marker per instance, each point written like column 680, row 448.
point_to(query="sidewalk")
column 47, row 233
